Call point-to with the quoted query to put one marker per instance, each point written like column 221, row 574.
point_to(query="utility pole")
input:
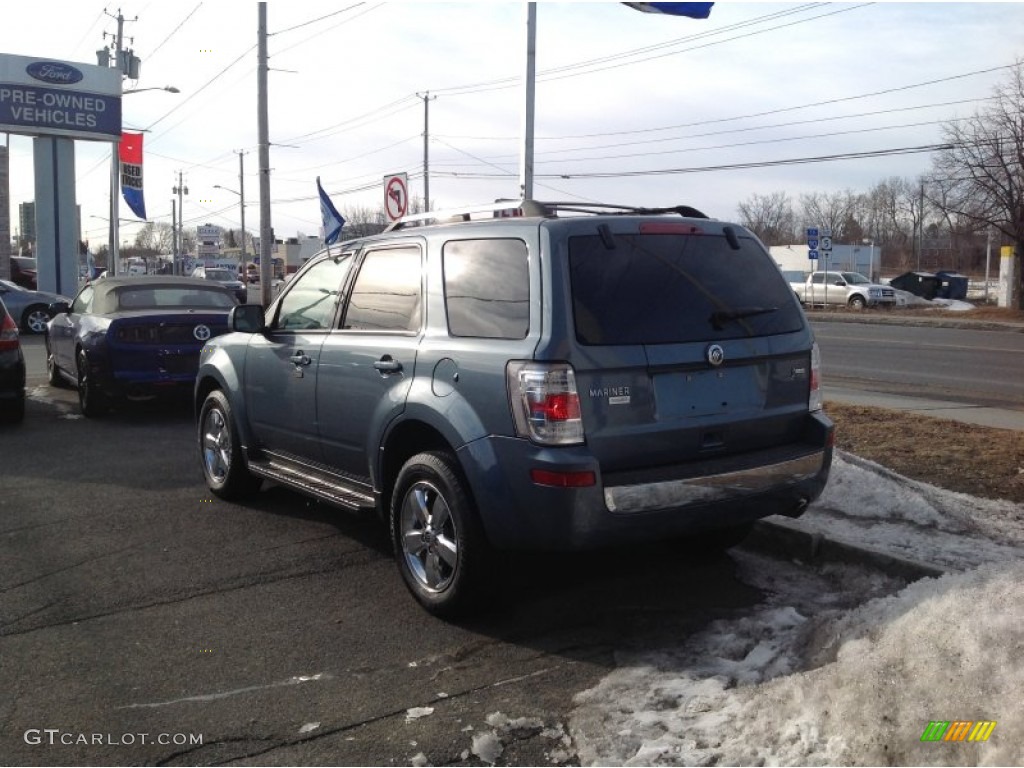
column 526, row 156
column 427, row 98
column 920, row 241
column 263, row 128
column 174, row 236
column 988, row 260
column 241, row 195
column 128, row 64
column 180, row 190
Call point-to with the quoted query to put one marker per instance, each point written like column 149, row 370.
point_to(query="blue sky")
column 737, row 88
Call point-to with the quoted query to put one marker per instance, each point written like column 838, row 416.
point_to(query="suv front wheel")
column 223, row 463
column 438, row 540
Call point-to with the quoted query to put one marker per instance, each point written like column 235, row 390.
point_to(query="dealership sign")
column 42, row 97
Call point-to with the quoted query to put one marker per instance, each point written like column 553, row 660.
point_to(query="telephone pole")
column 241, row 197
column 179, row 260
column 128, row 64
column 427, row 98
column 263, row 129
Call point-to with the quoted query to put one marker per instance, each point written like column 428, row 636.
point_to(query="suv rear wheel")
column 439, row 543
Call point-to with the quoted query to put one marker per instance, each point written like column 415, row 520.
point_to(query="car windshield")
column 219, row 274
column 855, row 278
column 166, row 297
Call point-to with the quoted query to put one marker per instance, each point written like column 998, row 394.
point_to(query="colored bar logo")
column 958, row 730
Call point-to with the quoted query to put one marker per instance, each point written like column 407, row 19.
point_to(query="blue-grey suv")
column 547, row 376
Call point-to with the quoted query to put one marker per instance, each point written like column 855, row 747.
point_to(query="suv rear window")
column 671, row 288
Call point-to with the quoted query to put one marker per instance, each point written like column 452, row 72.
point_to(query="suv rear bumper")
column 647, row 505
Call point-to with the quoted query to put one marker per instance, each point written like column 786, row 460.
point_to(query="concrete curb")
column 921, row 322
column 790, row 539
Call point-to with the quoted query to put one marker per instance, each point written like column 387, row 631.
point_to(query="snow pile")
column 860, row 687
column 867, row 504
column 953, row 305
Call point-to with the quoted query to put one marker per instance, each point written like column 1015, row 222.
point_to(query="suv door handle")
column 388, row 365
column 301, row 358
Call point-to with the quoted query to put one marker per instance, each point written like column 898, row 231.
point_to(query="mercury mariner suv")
column 525, row 375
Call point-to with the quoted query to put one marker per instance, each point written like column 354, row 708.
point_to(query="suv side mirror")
column 247, row 318
column 59, row 308
column 840, row 283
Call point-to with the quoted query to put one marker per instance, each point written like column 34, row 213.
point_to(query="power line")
column 740, row 144
column 201, row 88
column 727, row 167
column 507, row 82
column 314, row 21
column 174, row 31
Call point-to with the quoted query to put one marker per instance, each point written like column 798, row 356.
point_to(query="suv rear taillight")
column 815, row 398
column 544, row 401
column 8, row 334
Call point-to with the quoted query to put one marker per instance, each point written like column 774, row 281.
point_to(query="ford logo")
column 54, row 72
column 715, row 354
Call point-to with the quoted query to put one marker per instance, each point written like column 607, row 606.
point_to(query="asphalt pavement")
column 964, row 412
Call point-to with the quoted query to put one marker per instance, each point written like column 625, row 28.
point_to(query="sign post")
column 396, row 195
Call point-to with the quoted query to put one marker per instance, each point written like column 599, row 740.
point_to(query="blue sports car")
column 133, row 337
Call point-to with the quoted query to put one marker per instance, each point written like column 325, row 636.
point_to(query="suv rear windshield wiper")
column 722, row 316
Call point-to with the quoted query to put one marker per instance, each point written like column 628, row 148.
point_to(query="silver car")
column 226, row 278
column 30, row 309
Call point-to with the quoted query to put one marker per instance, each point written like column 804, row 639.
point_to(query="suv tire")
column 220, row 451
column 439, row 543
column 857, row 302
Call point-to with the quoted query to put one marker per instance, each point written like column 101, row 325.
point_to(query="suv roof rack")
column 521, row 207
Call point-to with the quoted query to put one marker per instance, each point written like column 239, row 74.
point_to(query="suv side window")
column 487, row 288
column 817, row 278
column 388, row 292
column 310, row 301
column 83, row 302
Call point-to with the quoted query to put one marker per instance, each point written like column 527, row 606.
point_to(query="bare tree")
column 155, row 237
column 979, row 175
column 770, row 217
column 832, row 210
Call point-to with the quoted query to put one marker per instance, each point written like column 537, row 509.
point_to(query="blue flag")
column 693, row 10
column 333, row 221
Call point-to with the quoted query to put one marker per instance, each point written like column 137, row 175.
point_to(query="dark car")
column 555, row 376
column 12, row 370
column 24, row 272
column 133, row 337
column 30, row 309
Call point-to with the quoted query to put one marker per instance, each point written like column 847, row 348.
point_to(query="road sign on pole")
column 396, row 195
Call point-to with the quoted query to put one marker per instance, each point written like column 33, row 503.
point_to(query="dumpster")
column 952, row 285
column 923, row 284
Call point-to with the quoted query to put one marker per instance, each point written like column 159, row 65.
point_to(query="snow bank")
column 779, row 688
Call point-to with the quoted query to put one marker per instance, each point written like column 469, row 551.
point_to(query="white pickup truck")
column 844, row 288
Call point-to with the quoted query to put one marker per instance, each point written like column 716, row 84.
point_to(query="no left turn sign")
column 396, row 195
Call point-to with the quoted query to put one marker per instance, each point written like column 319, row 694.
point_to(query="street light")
column 241, row 204
column 115, row 184
column 871, row 259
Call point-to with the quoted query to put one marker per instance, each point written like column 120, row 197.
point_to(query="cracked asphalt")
column 136, row 607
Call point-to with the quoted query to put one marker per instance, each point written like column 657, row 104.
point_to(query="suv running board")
column 307, row 480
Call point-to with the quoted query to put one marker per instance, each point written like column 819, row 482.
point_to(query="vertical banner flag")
column 693, row 10
column 333, row 221
column 130, row 153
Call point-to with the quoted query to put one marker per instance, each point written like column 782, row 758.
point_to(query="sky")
column 622, row 97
